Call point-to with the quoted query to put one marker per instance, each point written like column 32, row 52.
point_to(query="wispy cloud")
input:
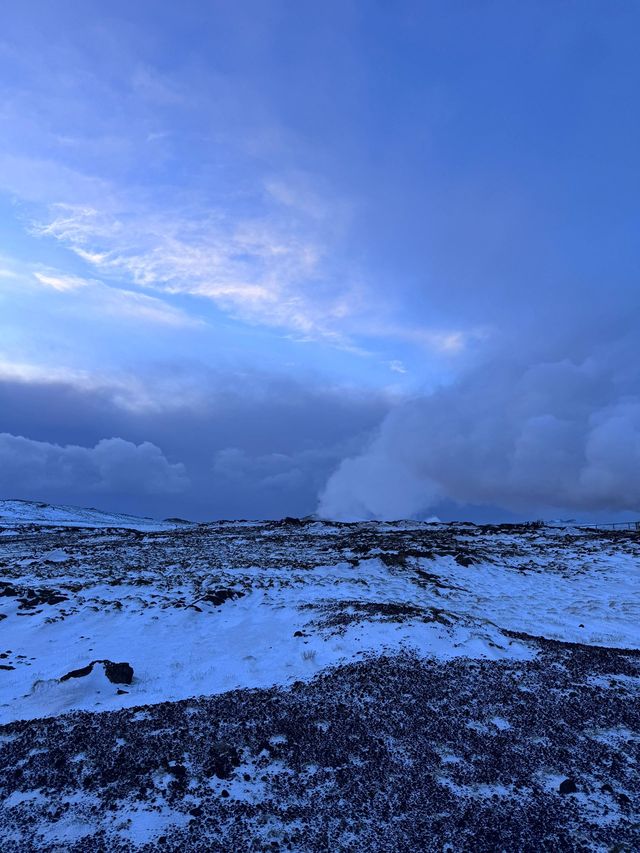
column 165, row 195
column 61, row 281
column 265, row 270
column 258, row 269
column 116, row 301
column 133, row 393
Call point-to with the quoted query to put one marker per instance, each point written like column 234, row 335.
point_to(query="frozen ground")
column 316, row 686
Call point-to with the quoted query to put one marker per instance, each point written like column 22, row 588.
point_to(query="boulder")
column 568, row 786
column 118, row 673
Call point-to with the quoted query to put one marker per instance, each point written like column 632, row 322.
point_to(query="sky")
column 366, row 259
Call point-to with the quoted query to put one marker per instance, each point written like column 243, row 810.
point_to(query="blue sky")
column 286, row 244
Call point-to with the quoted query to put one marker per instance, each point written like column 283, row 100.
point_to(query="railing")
column 615, row 525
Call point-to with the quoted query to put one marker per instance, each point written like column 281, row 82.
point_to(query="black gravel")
column 390, row 754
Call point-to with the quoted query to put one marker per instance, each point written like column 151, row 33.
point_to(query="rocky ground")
column 285, row 686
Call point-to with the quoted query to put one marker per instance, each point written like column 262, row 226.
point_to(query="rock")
column 606, row 788
column 78, row 673
column 178, row 771
column 36, row 597
column 463, row 560
column 298, row 634
column 223, row 760
column 568, row 786
column 118, row 673
column 219, row 596
column 6, row 666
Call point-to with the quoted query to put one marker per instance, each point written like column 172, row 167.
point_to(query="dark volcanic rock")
column 78, row 673
column 568, row 786
column 37, row 597
column 118, row 673
column 223, row 760
column 219, row 596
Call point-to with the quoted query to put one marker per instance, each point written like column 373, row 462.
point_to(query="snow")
column 597, row 603
column 178, row 653
column 154, row 616
column 17, row 513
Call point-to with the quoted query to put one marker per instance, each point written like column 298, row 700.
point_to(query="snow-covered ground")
column 299, row 600
column 248, row 642
column 512, row 623
column 18, row 513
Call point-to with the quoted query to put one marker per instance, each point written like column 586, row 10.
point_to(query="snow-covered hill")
column 18, row 513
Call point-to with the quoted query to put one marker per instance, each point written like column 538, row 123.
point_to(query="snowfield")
column 315, row 686
column 20, row 513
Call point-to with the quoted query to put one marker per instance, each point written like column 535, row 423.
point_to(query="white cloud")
column 139, row 306
column 259, row 270
column 114, row 300
column 276, row 269
column 61, row 281
column 548, row 435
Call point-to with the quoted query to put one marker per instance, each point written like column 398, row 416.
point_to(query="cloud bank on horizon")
column 552, row 437
column 371, row 261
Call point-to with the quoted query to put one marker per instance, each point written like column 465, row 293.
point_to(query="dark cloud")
column 251, row 446
column 112, row 466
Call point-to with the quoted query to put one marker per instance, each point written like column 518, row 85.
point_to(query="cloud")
column 225, row 214
column 128, row 304
column 129, row 392
column 282, row 267
column 276, row 472
column 263, row 269
column 112, row 466
column 61, row 281
column 253, row 445
column 525, row 436
column 115, row 301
